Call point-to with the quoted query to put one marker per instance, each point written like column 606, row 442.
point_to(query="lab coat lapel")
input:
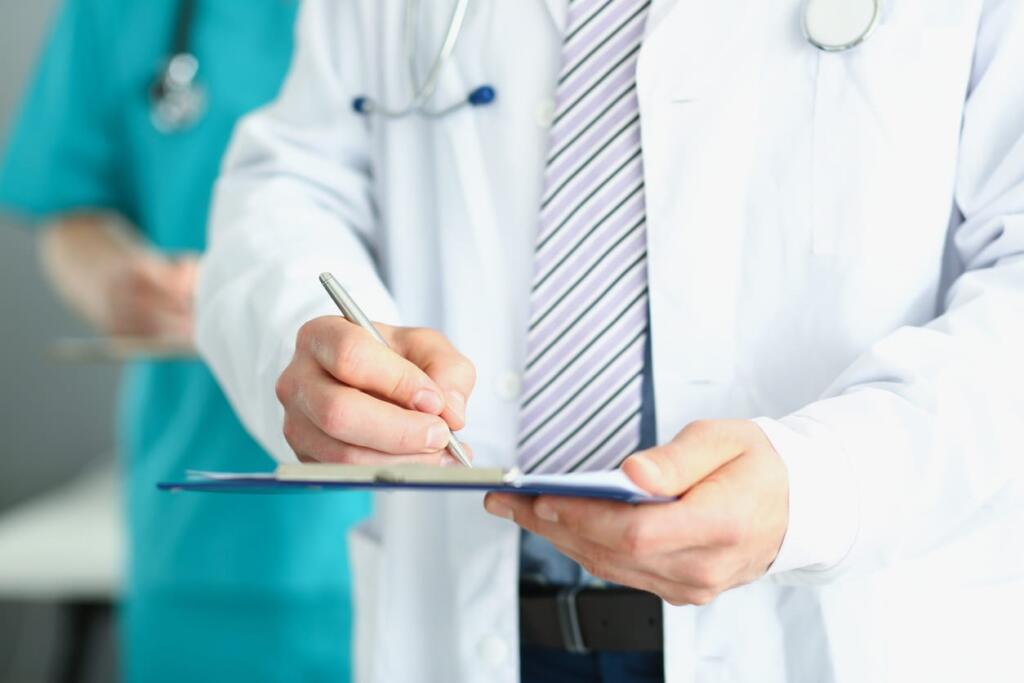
column 475, row 203
column 690, row 41
column 698, row 86
column 558, row 9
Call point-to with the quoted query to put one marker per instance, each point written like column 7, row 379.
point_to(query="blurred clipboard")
column 292, row 478
column 120, row 349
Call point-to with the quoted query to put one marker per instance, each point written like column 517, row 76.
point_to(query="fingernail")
column 428, row 401
column 545, row 512
column 457, row 403
column 499, row 510
column 437, row 436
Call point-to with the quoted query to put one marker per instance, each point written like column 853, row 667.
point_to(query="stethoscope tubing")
column 423, row 91
column 177, row 100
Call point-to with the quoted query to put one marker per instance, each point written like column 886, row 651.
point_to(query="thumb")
column 699, row 449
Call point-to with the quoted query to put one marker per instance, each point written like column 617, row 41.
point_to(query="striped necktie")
column 588, row 323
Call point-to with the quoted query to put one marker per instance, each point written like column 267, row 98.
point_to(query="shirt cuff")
column 824, row 500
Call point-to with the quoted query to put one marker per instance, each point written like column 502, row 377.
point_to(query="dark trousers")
column 541, row 665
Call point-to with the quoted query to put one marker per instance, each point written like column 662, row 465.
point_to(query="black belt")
column 583, row 620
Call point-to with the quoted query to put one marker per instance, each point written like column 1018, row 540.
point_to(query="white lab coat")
column 835, row 244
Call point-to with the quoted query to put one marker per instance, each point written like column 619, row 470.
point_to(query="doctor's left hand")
column 723, row 532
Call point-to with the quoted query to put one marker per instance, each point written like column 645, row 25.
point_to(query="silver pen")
column 350, row 309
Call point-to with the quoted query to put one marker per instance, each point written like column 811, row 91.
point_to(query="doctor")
column 793, row 276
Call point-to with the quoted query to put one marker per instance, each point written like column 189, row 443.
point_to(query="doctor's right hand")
column 349, row 399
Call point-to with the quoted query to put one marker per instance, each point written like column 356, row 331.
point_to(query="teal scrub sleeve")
column 61, row 155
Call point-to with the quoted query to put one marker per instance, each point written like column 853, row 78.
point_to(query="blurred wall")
column 54, row 419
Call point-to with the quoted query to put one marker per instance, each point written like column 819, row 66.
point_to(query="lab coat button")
column 545, row 113
column 508, row 386
column 493, row 650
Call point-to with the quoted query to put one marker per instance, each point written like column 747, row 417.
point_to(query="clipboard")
column 320, row 477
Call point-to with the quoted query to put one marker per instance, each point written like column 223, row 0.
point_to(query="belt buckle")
column 569, row 621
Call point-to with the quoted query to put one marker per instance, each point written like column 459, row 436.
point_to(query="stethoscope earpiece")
column 839, row 25
column 478, row 97
column 362, row 105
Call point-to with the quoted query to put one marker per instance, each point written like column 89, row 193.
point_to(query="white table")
column 67, row 547
column 67, row 544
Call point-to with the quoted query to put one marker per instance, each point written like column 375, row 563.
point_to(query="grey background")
column 55, row 419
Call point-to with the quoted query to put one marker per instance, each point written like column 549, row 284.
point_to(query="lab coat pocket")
column 364, row 548
column 876, row 133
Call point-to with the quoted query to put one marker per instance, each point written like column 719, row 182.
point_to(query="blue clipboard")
column 311, row 478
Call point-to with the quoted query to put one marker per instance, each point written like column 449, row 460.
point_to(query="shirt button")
column 493, row 650
column 545, row 113
column 508, row 386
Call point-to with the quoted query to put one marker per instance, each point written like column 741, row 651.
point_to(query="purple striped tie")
column 588, row 322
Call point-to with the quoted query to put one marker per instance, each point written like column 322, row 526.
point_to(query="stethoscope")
column 422, row 91
column 840, row 25
column 829, row 25
column 177, row 100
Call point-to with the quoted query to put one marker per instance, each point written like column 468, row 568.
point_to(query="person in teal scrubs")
column 219, row 587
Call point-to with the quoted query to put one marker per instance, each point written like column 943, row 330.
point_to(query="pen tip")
column 325, row 277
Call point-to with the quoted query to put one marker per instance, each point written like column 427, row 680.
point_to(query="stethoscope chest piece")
column 838, row 25
column 177, row 100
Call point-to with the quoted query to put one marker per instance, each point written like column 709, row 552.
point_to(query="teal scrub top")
column 219, row 587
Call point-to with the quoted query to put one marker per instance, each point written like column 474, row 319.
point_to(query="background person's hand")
column 347, row 398
column 151, row 295
column 120, row 285
column 725, row 530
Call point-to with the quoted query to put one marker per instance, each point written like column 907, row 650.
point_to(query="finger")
column 654, row 575
column 639, row 531
column 599, row 560
column 182, row 273
column 313, row 445
column 522, row 510
column 144, row 313
column 171, row 325
column 157, row 275
column 672, row 592
column 707, row 569
column 624, row 576
column 352, row 356
column 698, row 450
column 354, row 417
column 450, row 370
column 519, row 509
